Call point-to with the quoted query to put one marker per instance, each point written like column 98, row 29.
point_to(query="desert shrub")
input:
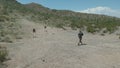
column 59, row 25
column 73, row 26
column 91, row 29
column 102, row 34
column 105, row 31
column 7, row 38
column 111, row 29
column 3, row 54
column 4, row 18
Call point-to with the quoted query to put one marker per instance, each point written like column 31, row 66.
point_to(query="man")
column 45, row 27
column 34, row 31
column 80, row 34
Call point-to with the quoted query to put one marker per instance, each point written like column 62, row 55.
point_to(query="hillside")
column 61, row 18
column 53, row 47
column 74, row 19
column 11, row 12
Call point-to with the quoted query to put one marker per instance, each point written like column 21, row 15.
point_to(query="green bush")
column 91, row 29
column 3, row 54
column 4, row 18
column 60, row 25
column 7, row 38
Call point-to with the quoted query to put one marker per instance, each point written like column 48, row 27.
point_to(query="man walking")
column 80, row 34
column 34, row 31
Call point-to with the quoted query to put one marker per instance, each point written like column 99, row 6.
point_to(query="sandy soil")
column 58, row 48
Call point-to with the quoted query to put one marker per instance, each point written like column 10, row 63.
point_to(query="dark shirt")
column 80, row 34
column 34, row 30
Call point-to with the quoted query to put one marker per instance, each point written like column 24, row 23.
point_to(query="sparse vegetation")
column 9, row 29
column 3, row 54
column 11, row 10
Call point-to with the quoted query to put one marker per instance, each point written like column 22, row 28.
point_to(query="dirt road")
column 58, row 48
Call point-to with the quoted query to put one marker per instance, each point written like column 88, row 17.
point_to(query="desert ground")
column 57, row 48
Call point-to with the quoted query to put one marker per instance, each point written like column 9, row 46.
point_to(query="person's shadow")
column 81, row 44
